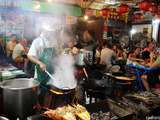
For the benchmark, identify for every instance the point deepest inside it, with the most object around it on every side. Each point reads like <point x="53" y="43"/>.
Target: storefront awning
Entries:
<point x="54" y="8"/>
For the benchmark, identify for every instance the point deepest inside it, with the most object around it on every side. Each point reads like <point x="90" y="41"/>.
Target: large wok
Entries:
<point x="19" y="97"/>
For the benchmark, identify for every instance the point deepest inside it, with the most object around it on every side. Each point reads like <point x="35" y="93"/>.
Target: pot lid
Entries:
<point x="21" y="83"/>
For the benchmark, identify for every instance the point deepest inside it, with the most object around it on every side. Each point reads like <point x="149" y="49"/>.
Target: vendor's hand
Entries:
<point x="42" y="66"/>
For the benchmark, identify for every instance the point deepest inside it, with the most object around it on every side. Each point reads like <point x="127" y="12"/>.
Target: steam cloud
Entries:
<point x="64" y="71"/>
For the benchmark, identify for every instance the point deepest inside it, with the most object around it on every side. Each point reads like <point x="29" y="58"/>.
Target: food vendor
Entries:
<point x="41" y="53"/>
<point x="45" y="52"/>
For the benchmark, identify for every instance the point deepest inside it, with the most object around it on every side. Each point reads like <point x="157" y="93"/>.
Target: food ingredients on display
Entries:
<point x="103" y="116"/>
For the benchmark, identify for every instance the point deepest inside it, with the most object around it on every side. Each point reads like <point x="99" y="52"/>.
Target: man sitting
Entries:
<point x="19" y="54"/>
<point x="152" y="79"/>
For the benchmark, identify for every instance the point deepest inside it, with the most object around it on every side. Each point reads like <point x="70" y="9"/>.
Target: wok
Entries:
<point x="19" y="97"/>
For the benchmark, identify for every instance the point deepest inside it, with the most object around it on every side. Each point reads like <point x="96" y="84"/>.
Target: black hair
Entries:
<point x="145" y="55"/>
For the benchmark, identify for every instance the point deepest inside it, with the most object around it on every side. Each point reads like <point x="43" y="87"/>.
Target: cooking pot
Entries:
<point x="19" y="97"/>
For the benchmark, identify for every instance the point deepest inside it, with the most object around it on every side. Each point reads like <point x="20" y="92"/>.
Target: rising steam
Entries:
<point x="64" y="72"/>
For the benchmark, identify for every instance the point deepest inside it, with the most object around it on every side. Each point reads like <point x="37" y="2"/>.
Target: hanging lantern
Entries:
<point x="105" y="12"/>
<point x="122" y="9"/>
<point x="144" y="5"/>
<point x="153" y="8"/>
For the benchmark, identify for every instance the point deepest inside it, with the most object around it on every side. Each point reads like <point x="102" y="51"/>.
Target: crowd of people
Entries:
<point x="14" y="51"/>
<point x="148" y="57"/>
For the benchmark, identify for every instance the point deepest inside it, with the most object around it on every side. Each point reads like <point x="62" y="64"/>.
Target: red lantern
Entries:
<point x="105" y="11"/>
<point x="123" y="8"/>
<point x="153" y="8"/>
<point x="144" y="5"/>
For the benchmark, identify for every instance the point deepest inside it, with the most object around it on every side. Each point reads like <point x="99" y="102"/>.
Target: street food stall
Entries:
<point x="86" y="59"/>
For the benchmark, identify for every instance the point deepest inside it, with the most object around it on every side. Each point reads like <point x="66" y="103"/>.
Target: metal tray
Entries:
<point x="109" y="105"/>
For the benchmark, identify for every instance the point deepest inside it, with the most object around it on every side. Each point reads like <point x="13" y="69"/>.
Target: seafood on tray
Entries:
<point x="74" y="112"/>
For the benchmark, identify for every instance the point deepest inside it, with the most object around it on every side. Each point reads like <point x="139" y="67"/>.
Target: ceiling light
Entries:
<point x="85" y="17"/>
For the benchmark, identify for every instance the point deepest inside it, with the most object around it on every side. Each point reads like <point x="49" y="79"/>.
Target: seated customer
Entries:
<point x="150" y="46"/>
<point x="19" y="53"/>
<point x="146" y="58"/>
<point x="121" y="55"/>
<point x="152" y="79"/>
<point x="10" y="45"/>
<point x="108" y="56"/>
<point x="133" y="55"/>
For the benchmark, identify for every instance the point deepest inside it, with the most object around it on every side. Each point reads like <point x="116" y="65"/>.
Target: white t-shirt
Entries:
<point x="39" y="44"/>
<point x="17" y="51"/>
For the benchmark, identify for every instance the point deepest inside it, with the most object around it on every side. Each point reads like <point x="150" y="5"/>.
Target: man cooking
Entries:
<point x="43" y="53"/>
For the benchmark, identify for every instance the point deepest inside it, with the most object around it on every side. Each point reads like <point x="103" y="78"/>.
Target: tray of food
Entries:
<point x="109" y="110"/>
<point x="148" y="97"/>
<point x="69" y="112"/>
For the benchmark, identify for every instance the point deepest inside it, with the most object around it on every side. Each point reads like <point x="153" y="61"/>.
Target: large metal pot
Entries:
<point x="19" y="97"/>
